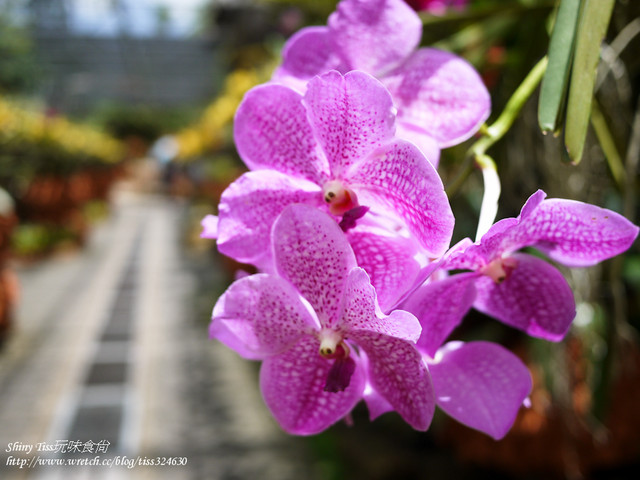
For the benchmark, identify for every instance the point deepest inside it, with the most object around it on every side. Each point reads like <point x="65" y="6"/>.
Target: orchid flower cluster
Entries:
<point x="346" y="219"/>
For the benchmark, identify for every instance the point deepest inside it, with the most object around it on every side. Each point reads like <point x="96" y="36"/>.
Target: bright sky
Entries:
<point x="97" y="16"/>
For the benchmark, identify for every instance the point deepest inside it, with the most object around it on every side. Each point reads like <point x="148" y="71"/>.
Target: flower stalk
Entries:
<point x="511" y="111"/>
<point x="476" y="155"/>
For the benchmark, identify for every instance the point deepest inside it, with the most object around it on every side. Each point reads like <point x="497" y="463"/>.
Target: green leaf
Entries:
<point x="554" y="83"/>
<point x="607" y="143"/>
<point x="592" y="28"/>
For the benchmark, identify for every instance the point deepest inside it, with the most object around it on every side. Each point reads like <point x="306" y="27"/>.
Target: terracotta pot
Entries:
<point x="8" y="299"/>
<point x="45" y="200"/>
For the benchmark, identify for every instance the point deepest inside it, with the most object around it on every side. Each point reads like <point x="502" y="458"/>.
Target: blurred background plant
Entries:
<point x="53" y="167"/>
<point x="50" y="164"/>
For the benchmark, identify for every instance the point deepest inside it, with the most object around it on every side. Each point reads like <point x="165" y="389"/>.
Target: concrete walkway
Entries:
<point x="110" y="357"/>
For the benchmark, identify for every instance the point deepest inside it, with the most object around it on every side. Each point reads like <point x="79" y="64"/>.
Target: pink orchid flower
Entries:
<point x="437" y="7"/>
<point x="334" y="149"/>
<point x="480" y="384"/>
<point x="312" y="322"/>
<point x="441" y="99"/>
<point x="519" y="289"/>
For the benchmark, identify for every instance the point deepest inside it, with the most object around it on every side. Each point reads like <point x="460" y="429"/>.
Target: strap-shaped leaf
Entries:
<point x="607" y="143"/>
<point x="592" y="27"/>
<point x="554" y="84"/>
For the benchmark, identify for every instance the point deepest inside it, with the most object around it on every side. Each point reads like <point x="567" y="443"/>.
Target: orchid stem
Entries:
<point x="494" y="132"/>
<point x="504" y="122"/>
<point x="491" y="135"/>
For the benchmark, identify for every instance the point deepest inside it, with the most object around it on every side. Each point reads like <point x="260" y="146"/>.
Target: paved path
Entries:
<point x="110" y="346"/>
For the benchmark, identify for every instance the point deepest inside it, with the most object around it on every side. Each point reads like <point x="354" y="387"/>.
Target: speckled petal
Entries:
<point x="209" y="227"/>
<point x="503" y="237"/>
<point x="531" y="204"/>
<point x="462" y="257"/>
<point x="250" y="205"/>
<point x="390" y="261"/>
<point x="375" y="35"/>
<point x="309" y="52"/>
<point x="376" y="403"/>
<point x="431" y="270"/>
<point x="221" y="333"/>
<point x="292" y="385"/>
<point x="313" y="253"/>
<point x="425" y="142"/>
<point x="361" y="311"/>
<point x="271" y="131"/>
<point x="440" y="306"/>
<point x="441" y="94"/>
<point x="351" y="115"/>
<point x="499" y="240"/>
<point x="265" y="312"/>
<point x="574" y="233"/>
<point x="398" y="178"/>
<point x="534" y="298"/>
<point x="397" y="372"/>
<point x="481" y="385"/>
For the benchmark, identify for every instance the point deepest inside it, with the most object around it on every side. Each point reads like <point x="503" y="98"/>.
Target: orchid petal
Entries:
<point x="425" y="273"/>
<point x="440" y="307"/>
<point x="493" y="244"/>
<point x="441" y="94"/>
<point x="534" y="298"/>
<point x="250" y="205"/>
<point x="361" y="311"/>
<point x="292" y="385"/>
<point x="500" y="238"/>
<point x="351" y="115"/>
<point x="397" y="177"/>
<point x="397" y="372"/>
<point x="573" y="233"/>
<point x="388" y="259"/>
<point x="375" y="36"/>
<point x="271" y="131"/>
<point x="531" y="204"/>
<point x="314" y="255"/>
<point x="309" y="52"/>
<point x="376" y="403"/>
<point x="462" y="256"/>
<point x="220" y="332"/>
<point x="576" y="234"/>
<point x="425" y="142"/>
<point x="481" y="385"/>
<point x="265" y="312"/>
<point x="209" y="227"/>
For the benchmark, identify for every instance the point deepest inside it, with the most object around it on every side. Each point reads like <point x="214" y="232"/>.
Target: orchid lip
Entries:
<point x="351" y="217"/>
<point x="333" y="347"/>
<point x="339" y="376"/>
